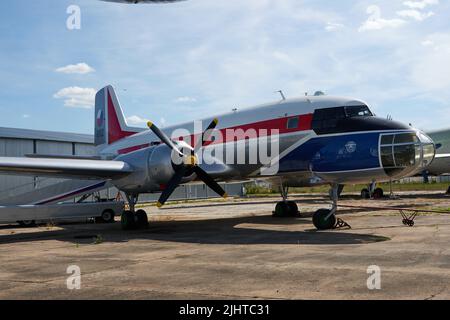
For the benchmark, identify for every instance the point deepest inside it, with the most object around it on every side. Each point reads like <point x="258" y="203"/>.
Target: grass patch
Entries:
<point x="98" y="239"/>
<point x="433" y="186"/>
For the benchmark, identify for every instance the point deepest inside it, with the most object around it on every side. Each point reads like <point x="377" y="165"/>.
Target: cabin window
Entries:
<point x="292" y="123"/>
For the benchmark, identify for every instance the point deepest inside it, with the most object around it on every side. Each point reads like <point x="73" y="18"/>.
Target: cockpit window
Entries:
<point x="358" y="111"/>
<point x="326" y="120"/>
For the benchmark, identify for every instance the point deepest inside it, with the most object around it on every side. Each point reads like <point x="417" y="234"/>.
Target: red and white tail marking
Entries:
<point x="110" y="123"/>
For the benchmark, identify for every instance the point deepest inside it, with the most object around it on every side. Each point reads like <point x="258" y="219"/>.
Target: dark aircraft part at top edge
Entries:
<point x="142" y="1"/>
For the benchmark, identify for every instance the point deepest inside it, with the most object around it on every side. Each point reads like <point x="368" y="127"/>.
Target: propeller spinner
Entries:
<point x="189" y="164"/>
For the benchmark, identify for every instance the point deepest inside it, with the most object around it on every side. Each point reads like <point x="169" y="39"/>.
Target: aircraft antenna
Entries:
<point x="281" y="93"/>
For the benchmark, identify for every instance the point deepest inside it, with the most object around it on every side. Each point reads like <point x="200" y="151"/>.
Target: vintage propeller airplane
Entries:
<point x="291" y="143"/>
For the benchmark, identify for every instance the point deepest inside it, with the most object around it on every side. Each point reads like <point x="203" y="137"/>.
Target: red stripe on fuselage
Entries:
<point x="115" y="132"/>
<point x="257" y="129"/>
<point x="131" y="149"/>
<point x="260" y="129"/>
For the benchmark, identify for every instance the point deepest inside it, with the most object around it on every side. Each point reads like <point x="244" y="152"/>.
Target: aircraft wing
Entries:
<point x="65" y="168"/>
<point x="440" y="164"/>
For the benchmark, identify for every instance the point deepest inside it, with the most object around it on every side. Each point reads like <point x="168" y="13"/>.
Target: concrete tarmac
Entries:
<point x="234" y="249"/>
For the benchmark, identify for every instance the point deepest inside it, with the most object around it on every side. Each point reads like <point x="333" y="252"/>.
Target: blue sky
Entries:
<point x="174" y="62"/>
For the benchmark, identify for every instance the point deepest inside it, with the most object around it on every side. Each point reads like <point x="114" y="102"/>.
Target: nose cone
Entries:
<point x="406" y="153"/>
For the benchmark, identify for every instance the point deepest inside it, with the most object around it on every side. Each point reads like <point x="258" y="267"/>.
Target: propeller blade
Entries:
<point x="206" y="135"/>
<point x="206" y="178"/>
<point x="171" y="186"/>
<point x="162" y="136"/>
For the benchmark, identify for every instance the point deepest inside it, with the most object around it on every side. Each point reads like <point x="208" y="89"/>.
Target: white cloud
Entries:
<point x="332" y="26"/>
<point x="381" y="23"/>
<point x="79" y="68"/>
<point x="432" y="71"/>
<point x="136" y="120"/>
<point x="420" y="4"/>
<point x="77" y="97"/>
<point x="26" y="116"/>
<point x="283" y="57"/>
<point x="185" y="99"/>
<point x="376" y="22"/>
<point x="415" y="14"/>
<point x="427" y="43"/>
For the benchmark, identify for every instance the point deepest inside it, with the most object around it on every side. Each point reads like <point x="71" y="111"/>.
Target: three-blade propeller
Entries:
<point x="189" y="164"/>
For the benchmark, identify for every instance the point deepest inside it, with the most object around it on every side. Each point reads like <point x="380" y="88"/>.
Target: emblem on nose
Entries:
<point x="350" y="146"/>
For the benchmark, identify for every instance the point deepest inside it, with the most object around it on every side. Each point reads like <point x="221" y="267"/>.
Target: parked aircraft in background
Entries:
<point x="309" y="140"/>
<point x="441" y="164"/>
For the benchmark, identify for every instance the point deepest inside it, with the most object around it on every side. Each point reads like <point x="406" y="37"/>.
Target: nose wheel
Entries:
<point x="324" y="219"/>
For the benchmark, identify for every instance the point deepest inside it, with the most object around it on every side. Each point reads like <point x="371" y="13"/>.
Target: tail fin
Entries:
<point x="110" y="124"/>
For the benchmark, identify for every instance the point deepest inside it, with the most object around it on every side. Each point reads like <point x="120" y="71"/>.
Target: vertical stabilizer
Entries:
<point x="110" y="123"/>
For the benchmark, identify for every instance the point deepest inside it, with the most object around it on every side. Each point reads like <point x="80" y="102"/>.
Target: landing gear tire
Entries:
<point x="322" y="219"/>
<point x="378" y="193"/>
<point x="293" y="209"/>
<point x="286" y="209"/>
<point x="141" y="219"/>
<point x="281" y="209"/>
<point x="128" y="220"/>
<point x="365" y="194"/>
<point x="27" y="223"/>
<point x="106" y="217"/>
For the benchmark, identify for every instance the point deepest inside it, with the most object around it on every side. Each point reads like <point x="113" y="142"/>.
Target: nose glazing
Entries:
<point x="405" y="153"/>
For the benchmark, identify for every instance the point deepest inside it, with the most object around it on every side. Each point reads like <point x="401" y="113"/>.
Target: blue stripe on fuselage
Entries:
<point x="346" y="152"/>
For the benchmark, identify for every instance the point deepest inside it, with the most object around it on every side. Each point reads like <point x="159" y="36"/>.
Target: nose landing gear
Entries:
<point x="325" y="219"/>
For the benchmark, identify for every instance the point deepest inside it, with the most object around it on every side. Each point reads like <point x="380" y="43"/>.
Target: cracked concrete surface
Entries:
<point x="235" y="249"/>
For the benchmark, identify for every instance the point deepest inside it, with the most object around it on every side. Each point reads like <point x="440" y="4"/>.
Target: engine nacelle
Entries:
<point x="153" y="168"/>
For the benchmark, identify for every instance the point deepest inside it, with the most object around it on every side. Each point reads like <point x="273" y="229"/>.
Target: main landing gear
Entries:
<point x="132" y="219"/>
<point x="372" y="192"/>
<point x="286" y="208"/>
<point x="325" y="219"/>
